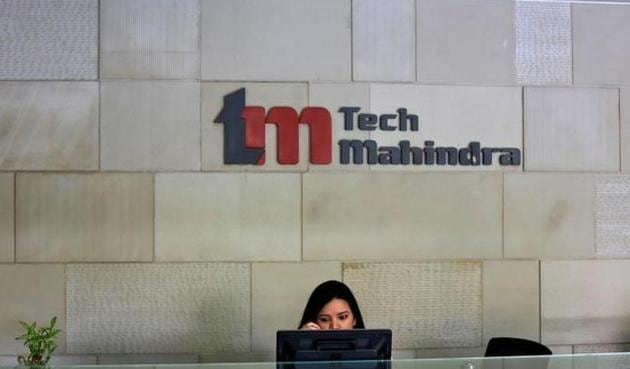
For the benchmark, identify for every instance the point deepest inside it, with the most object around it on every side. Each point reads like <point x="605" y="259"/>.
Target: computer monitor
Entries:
<point x="352" y="348"/>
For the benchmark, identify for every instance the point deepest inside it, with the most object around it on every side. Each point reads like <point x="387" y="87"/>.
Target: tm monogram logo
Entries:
<point x="244" y="131"/>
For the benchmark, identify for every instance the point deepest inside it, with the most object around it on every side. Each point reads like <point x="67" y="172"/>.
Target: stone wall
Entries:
<point x="119" y="215"/>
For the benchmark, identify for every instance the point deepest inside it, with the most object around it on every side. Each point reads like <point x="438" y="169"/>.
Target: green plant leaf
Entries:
<point x="24" y="325"/>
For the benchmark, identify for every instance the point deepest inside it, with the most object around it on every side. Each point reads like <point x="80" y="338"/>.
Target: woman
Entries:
<point x="331" y="306"/>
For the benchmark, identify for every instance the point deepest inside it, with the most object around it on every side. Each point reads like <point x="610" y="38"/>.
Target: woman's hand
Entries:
<point x="310" y="326"/>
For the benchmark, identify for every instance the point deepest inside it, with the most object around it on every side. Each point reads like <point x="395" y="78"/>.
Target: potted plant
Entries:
<point x="40" y="342"/>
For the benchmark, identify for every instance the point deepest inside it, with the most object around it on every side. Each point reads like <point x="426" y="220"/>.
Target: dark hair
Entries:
<point x="323" y="294"/>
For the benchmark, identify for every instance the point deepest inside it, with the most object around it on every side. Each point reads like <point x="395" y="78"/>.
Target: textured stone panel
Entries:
<point x="67" y="360"/>
<point x="164" y="308"/>
<point x="612" y="215"/>
<point x="49" y="125"/>
<point x="383" y="40"/>
<point x="84" y="217"/>
<point x="511" y="299"/>
<point x="278" y="40"/>
<point x="600" y="52"/>
<point x="624" y="100"/>
<point x="427" y="305"/>
<point x="597" y="348"/>
<point x="228" y="217"/>
<point x="571" y="129"/>
<point x="150" y="39"/>
<point x="150" y="125"/>
<point x="266" y="95"/>
<point x="7" y="230"/>
<point x="142" y="359"/>
<point x="464" y="41"/>
<point x="48" y="39"/>
<point x="585" y="301"/>
<point x="450" y="353"/>
<point x="397" y="216"/>
<point x="549" y="216"/>
<point x="297" y="281"/>
<point x="333" y="96"/>
<point x="30" y="293"/>
<point x="451" y="116"/>
<point x="561" y="349"/>
<point x="543" y="43"/>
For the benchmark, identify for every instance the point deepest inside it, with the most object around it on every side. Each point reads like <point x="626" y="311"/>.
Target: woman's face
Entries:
<point x="336" y="315"/>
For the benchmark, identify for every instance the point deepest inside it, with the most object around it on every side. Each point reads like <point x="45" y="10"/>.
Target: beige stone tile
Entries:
<point x="143" y="359"/>
<point x="543" y="43"/>
<point x="227" y="216"/>
<point x="150" y="39"/>
<point x="585" y="301"/>
<point x="383" y="40"/>
<point x="600" y="52"/>
<point x="84" y="217"/>
<point x="549" y="216"/>
<point x="159" y="308"/>
<point x="52" y="39"/>
<point x="49" y="125"/>
<point x="612" y="216"/>
<point x="451" y="116"/>
<point x="561" y="349"/>
<point x="30" y="293"/>
<point x="418" y="300"/>
<point x="445" y="353"/>
<point x="463" y="41"/>
<point x="150" y="125"/>
<point x="511" y="300"/>
<point x="279" y="40"/>
<point x="7" y="230"/>
<point x="333" y="96"/>
<point x="266" y="95"/>
<point x="624" y="99"/>
<point x="239" y="357"/>
<point x="297" y="281"/>
<point x="571" y="129"/>
<point x="67" y="360"/>
<point x="601" y="347"/>
<point x="386" y="216"/>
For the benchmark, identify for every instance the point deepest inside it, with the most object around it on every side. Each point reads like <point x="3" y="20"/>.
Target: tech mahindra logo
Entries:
<point x="244" y="132"/>
<point x="244" y="138"/>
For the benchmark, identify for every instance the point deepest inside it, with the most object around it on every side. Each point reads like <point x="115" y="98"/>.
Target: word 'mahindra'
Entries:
<point x="368" y="151"/>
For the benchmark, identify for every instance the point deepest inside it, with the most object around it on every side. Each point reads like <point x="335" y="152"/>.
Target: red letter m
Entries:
<point x="286" y="120"/>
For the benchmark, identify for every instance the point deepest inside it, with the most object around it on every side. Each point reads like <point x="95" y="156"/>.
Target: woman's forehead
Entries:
<point x="335" y="306"/>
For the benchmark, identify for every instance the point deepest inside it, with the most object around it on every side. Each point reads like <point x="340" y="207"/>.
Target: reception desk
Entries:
<point x="577" y="361"/>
